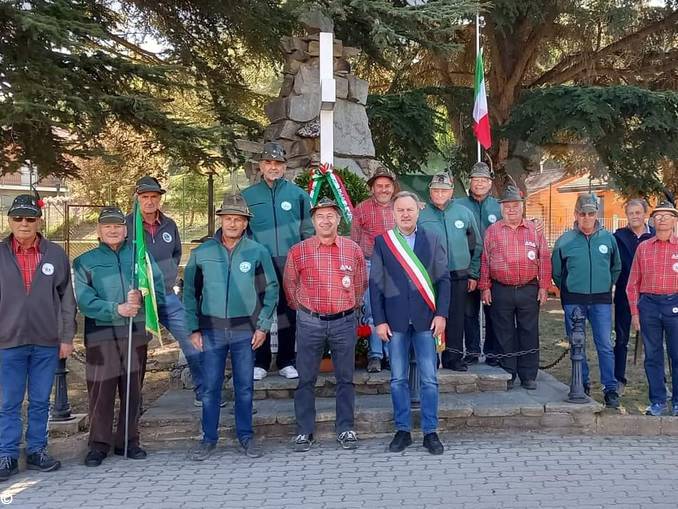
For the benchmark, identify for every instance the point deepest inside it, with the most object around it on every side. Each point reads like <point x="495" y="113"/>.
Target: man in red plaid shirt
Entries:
<point x="515" y="273"/>
<point x="653" y="298"/>
<point x="324" y="280"/>
<point x="372" y="218"/>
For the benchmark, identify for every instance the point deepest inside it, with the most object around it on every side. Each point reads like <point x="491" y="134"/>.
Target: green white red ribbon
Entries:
<point x="325" y="173"/>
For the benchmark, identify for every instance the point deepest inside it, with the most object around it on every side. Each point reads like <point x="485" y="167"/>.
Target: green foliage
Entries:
<point x="404" y="128"/>
<point x="61" y="83"/>
<point x="627" y="130"/>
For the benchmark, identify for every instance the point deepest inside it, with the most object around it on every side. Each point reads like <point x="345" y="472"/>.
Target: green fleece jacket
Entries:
<point x="102" y="280"/>
<point x="585" y="268"/>
<point x="486" y="212"/>
<point x="458" y="227"/>
<point x="236" y="290"/>
<point x="281" y="215"/>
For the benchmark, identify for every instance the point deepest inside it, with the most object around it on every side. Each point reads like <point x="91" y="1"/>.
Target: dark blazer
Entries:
<point x="628" y="243"/>
<point x="394" y="298"/>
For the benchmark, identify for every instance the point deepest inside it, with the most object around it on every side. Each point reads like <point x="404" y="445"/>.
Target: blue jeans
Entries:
<point x="659" y="318"/>
<point x="216" y="344"/>
<point x="173" y="318"/>
<point x="600" y="318"/>
<point x="34" y="366"/>
<point x="377" y="348"/>
<point x="427" y="361"/>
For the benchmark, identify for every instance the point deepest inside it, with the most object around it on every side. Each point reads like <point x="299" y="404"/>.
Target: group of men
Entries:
<point x="422" y="271"/>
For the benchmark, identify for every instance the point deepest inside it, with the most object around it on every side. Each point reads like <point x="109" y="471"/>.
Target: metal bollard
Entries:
<point x="414" y="381"/>
<point x="61" y="410"/>
<point x="577" y="341"/>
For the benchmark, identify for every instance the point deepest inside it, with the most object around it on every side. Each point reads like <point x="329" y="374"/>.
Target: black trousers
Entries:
<point x="515" y="317"/>
<point x="287" y="323"/>
<point x="454" y="330"/>
<point x="106" y="372"/>
<point x="622" y="330"/>
<point x="472" y="326"/>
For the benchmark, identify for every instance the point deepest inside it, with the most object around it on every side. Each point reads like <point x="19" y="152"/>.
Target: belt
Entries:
<point x="533" y="282"/>
<point x="327" y="318"/>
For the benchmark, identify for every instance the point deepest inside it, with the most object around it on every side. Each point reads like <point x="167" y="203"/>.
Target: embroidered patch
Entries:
<point x="47" y="269"/>
<point x="530" y="243"/>
<point x="167" y="237"/>
<point x="492" y="218"/>
<point x="346" y="267"/>
<point x="286" y="205"/>
<point x="459" y="224"/>
<point x="531" y="255"/>
<point x="245" y="266"/>
<point x="603" y="249"/>
<point x="675" y="310"/>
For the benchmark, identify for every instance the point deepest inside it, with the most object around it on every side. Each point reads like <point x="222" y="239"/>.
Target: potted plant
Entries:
<point x="362" y="346"/>
<point x="326" y="365"/>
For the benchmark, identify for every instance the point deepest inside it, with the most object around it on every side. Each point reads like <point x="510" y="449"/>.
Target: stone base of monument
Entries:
<point x="173" y="419"/>
<point x="78" y="422"/>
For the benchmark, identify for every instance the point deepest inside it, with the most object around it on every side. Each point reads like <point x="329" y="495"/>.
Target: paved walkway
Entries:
<point x="529" y="470"/>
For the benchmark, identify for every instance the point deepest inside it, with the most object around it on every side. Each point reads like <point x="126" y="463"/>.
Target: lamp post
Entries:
<point x="414" y="381"/>
<point x="210" y="204"/>
<point x="61" y="409"/>
<point x="577" y="341"/>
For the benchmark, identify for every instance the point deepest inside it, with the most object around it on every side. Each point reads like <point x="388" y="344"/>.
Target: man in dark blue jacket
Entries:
<point x="410" y="296"/>
<point x="628" y="238"/>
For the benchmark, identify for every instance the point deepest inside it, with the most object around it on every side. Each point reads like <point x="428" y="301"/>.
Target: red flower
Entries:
<point x="41" y="203"/>
<point x="363" y="330"/>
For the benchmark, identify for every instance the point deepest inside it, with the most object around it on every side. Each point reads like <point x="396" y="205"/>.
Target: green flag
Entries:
<point x="144" y="274"/>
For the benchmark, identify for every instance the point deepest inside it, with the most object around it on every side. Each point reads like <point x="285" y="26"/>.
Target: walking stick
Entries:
<point x="129" y="332"/>
<point x="637" y="349"/>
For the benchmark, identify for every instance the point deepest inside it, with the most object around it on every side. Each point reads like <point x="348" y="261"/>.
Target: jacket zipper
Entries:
<point x="275" y="218"/>
<point x="588" y="241"/>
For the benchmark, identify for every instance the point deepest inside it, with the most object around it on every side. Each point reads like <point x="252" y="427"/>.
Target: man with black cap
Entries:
<point x="371" y="218"/>
<point x="230" y="294"/>
<point x="515" y="275"/>
<point x="281" y="218"/>
<point x="38" y="324"/>
<point x="586" y="265"/>
<point x="325" y="280"/>
<point x="164" y="245"/>
<point x="486" y="210"/>
<point x="105" y="295"/>
<point x="653" y="297"/>
<point x="456" y="225"/>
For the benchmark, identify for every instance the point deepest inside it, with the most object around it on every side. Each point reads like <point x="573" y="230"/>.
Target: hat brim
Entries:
<point x="449" y="187"/>
<point x="112" y="220"/>
<point x="335" y="207"/>
<point x="481" y="175"/>
<point x="149" y="189"/>
<point x="270" y="158"/>
<point x="232" y="212"/>
<point x="373" y="178"/>
<point x="665" y="209"/>
<point x="587" y="208"/>
<point x="24" y="212"/>
<point x="509" y="200"/>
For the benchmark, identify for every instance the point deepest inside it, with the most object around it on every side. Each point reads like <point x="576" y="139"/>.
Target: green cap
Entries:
<point x="25" y="205"/>
<point x="481" y="170"/>
<point x="382" y="171"/>
<point x="325" y="203"/>
<point x="148" y="184"/>
<point x="273" y="151"/>
<point x="586" y="202"/>
<point x="511" y="193"/>
<point x="111" y="215"/>
<point x="441" y="181"/>
<point x="233" y="204"/>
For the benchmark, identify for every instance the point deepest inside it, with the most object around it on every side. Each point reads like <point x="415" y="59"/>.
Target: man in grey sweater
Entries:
<point x="38" y="325"/>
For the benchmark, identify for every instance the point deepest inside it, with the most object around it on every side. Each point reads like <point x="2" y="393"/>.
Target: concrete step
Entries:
<point x="479" y="378"/>
<point x="174" y="418"/>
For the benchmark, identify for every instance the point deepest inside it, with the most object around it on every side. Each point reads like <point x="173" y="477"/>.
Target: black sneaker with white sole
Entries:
<point x="42" y="461"/>
<point x="348" y="439"/>
<point x="8" y="467"/>
<point x="303" y="443"/>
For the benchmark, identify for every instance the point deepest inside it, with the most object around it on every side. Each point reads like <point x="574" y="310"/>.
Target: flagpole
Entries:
<point x="131" y="320"/>
<point x="478" y="53"/>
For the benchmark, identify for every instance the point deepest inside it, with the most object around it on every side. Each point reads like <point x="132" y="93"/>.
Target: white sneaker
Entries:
<point x="289" y="372"/>
<point x="260" y="373"/>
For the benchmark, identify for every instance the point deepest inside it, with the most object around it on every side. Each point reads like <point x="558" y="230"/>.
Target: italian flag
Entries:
<point x="144" y="273"/>
<point x="481" y="119"/>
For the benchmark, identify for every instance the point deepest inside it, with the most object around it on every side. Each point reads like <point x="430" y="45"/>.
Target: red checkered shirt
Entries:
<point x="654" y="270"/>
<point x="370" y="219"/>
<point x="152" y="228"/>
<point x="514" y="257"/>
<point x="28" y="260"/>
<point x="323" y="278"/>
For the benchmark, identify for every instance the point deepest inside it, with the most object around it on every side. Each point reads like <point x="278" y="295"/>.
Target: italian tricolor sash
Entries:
<point x="410" y="262"/>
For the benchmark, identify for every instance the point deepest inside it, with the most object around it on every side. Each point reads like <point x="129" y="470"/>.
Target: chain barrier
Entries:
<point x="499" y="356"/>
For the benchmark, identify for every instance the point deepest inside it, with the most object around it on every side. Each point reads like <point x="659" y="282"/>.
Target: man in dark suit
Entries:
<point x="410" y="295"/>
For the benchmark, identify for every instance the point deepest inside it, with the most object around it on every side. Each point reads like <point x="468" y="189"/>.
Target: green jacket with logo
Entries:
<point x="102" y="280"/>
<point x="281" y="215"/>
<point x="586" y="267"/>
<point x="458" y="227"/>
<point x="486" y="212"/>
<point x="236" y="290"/>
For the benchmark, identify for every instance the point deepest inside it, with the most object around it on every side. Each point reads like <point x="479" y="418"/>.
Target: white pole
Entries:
<point x="328" y="97"/>
<point x="478" y="53"/>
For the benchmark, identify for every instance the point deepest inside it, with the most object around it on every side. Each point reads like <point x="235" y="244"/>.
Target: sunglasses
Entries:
<point x="587" y="214"/>
<point x="27" y="219"/>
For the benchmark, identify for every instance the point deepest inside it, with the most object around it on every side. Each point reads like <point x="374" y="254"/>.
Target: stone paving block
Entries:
<point x="556" y="420"/>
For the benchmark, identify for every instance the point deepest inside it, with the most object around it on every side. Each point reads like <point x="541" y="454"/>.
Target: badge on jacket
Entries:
<point x="675" y="267"/>
<point x="245" y="266"/>
<point x="531" y="255"/>
<point x="603" y="249"/>
<point x="346" y="281"/>
<point x="459" y="224"/>
<point x="47" y="269"/>
<point x="286" y="205"/>
<point x="167" y="237"/>
<point x="492" y="218"/>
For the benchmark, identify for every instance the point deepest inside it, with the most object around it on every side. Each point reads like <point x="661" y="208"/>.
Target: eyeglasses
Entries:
<point x="662" y="217"/>
<point x="587" y="214"/>
<point x="27" y="219"/>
